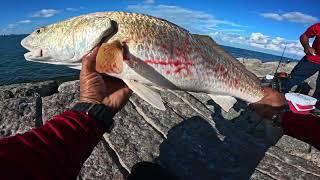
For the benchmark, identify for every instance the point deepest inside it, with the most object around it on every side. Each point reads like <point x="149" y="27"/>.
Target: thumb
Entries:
<point x="89" y="61"/>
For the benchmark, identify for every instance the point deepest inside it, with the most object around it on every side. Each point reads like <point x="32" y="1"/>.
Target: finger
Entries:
<point x="127" y="91"/>
<point x="118" y="98"/>
<point x="124" y="94"/>
<point x="109" y="78"/>
<point x="89" y="61"/>
<point x="115" y="82"/>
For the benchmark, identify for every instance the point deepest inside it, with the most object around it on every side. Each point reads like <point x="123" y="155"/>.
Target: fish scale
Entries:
<point x="163" y="54"/>
<point x="177" y="45"/>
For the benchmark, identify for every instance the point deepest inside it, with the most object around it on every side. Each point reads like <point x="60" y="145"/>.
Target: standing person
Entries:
<point x="310" y="63"/>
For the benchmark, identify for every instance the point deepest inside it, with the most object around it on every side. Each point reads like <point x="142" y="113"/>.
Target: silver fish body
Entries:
<point x="160" y="53"/>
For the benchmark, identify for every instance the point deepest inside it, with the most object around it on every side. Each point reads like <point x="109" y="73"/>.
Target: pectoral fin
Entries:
<point x="110" y="58"/>
<point x="225" y="102"/>
<point x="146" y="94"/>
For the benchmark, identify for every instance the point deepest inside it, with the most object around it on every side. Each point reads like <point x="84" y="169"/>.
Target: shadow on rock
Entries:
<point x="194" y="151"/>
<point x="238" y="106"/>
<point x="198" y="148"/>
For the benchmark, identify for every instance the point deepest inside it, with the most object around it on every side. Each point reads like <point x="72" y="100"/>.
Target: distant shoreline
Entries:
<point x="59" y="80"/>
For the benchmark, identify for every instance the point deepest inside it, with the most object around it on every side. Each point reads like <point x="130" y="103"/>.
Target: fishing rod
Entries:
<point x="275" y="81"/>
<point x="284" y="49"/>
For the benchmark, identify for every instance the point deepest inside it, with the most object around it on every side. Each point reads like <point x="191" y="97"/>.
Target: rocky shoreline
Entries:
<point x="193" y="137"/>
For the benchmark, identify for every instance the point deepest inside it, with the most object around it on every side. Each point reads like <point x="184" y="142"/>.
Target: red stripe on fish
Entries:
<point x="178" y="65"/>
<point x="168" y="62"/>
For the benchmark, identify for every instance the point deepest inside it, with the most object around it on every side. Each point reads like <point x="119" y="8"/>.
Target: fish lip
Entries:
<point x="24" y="44"/>
<point x="35" y="54"/>
<point x="28" y="55"/>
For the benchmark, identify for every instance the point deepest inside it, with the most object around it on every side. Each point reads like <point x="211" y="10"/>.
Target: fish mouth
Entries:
<point x="24" y="43"/>
<point x="34" y="55"/>
<point x="39" y="56"/>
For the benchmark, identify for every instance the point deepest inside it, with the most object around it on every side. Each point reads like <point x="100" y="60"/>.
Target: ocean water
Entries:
<point x="264" y="57"/>
<point x="15" y="69"/>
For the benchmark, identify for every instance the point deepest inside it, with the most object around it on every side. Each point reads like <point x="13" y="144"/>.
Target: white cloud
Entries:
<point x="258" y="38"/>
<point x="272" y="16"/>
<point x="223" y="31"/>
<point x="232" y="30"/>
<point x="261" y="42"/>
<point x="148" y="1"/>
<point x="195" y="21"/>
<point x="295" y="48"/>
<point x="257" y="45"/>
<point x="277" y="40"/>
<point x="17" y="28"/>
<point x="45" y="13"/>
<point x="24" y="21"/>
<point x="297" y="17"/>
<point x="12" y="26"/>
<point x="241" y="38"/>
<point x="273" y="47"/>
<point x="71" y="9"/>
<point x="229" y="37"/>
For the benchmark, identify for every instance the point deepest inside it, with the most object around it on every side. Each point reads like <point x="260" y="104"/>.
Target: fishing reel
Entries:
<point x="274" y="81"/>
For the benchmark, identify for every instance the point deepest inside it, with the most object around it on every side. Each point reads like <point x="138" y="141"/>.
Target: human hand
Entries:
<point x="95" y="88"/>
<point x="309" y="51"/>
<point x="272" y="103"/>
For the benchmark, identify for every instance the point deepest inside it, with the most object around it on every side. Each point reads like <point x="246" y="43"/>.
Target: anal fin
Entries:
<point x="146" y="94"/>
<point x="225" y="102"/>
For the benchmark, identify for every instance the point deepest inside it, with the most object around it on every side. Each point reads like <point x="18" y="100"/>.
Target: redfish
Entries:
<point x="146" y="51"/>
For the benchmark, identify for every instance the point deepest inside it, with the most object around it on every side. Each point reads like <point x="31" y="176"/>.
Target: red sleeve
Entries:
<point x="303" y="127"/>
<point x="313" y="30"/>
<point x="56" y="150"/>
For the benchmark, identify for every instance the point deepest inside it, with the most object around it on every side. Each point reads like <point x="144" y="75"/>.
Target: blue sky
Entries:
<point x="266" y="26"/>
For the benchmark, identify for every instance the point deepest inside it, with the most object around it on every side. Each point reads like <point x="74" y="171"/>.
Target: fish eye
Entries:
<point x="40" y="30"/>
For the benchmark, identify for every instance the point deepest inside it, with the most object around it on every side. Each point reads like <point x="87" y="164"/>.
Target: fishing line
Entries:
<point x="284" y="49"/>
